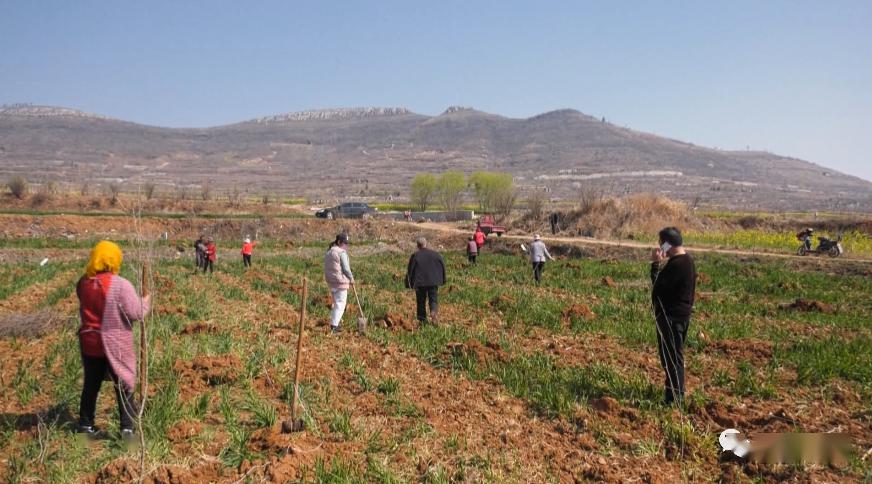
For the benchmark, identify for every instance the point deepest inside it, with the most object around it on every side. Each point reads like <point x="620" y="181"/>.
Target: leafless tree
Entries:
<point x="17" y="186"/>
<point x="148" y="190"/>
<point x="588" y="197"/>
<point x="50" y="188"/>
<point x="113" y="189"/>
<point x="234" y="196"/>
<point x="39" y="198"/>
<point x="536" y="204"/>
<point x="504" y="202"/>
<point x="206" y="191"/>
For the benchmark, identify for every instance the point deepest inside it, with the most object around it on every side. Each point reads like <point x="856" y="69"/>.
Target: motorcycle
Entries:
<point x="830" y="247"/>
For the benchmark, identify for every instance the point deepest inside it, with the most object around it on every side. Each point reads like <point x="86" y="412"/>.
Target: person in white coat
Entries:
<point x="538" y="255"/>
<point x="337" y="274"/>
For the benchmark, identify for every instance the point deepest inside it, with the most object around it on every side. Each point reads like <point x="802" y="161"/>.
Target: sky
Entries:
<point x="790" y="77"/>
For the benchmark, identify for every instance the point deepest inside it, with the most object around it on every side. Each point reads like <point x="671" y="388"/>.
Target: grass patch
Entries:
<point x="818" y="361"/>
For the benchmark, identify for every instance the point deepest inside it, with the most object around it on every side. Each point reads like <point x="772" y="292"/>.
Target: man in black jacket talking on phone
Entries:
<point x="673" y="275"/>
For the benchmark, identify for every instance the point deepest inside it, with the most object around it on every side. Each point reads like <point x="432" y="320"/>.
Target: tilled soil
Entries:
<point x="521" y="444"/>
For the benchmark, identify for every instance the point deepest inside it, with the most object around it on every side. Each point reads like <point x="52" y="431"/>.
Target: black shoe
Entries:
<point x="88" y="430"/>
<point x="128" y="435"/>
<point x="335" y="329"/>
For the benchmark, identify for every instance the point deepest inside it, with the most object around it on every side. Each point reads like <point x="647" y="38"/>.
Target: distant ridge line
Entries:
<point x="37" y="111"/>
<point x="333" y="114"/>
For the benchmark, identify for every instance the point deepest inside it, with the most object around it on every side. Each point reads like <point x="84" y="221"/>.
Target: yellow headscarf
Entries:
<point x="105" y="257"/>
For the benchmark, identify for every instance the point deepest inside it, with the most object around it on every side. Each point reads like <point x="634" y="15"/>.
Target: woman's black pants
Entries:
<point x="96" y="370"/>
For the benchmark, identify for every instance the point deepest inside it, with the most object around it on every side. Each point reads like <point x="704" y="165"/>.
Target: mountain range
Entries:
<point x="373" y="153"/>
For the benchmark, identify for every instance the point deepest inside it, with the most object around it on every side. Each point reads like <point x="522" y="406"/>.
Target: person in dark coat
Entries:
<point x="673" y="278"/>
<point x="554" y="219"/>
<point x="200" y="251"/>
<point x="471" y="250"/>
<point x="426" y="272"/>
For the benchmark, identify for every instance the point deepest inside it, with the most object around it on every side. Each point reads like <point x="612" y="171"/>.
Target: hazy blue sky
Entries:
<point x="793" y="77"/>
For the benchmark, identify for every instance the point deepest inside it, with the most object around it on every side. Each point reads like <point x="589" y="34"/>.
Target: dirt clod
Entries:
<point x="753" y="350"/>
<point x="199" y="327"/>
<point x="502" y="302"/>
<point x="184" y="430"/>
<point x="484" y="353"/>
<point x="126" y="470"/>
<point x="605" y="405"/>
<point x="397" y="322"/>
<point x="271" y="440"/>
<point x="213" y="370"/>
<point x="609" y="282"/>
<point x="578" y="311"/>
<point x="722" y="416"/>
<point x="811" y="305"/>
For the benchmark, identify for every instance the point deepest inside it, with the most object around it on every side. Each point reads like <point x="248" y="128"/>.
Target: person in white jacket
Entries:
<point x="337" y="274"/>
<point x="538" y="255"/>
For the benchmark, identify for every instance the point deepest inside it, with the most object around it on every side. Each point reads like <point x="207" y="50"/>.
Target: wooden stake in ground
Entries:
<point x="296" y="424"/>
<point x="143" y="346"/>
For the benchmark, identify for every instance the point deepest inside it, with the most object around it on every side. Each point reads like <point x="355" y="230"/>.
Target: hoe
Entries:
<point x="361" y="320"/>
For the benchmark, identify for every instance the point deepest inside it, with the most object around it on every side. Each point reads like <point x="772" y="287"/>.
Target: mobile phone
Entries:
<point x="665" y="247"/>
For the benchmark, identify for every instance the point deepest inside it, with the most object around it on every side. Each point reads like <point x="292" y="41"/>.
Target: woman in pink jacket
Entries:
<point x="337" y="274"/>
<point x="109" y="305"/>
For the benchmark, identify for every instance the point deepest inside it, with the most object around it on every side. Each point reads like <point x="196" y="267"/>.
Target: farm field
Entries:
<point x="517" y="383"/>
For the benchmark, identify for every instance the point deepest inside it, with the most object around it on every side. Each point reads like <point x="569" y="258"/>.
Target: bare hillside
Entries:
<point x="374" y="152"/>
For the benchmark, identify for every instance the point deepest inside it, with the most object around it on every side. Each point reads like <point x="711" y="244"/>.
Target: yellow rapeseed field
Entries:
<point x="855" y="243"/>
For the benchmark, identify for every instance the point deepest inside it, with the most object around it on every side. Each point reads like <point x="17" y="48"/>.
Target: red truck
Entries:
<point x="487" y="225"/>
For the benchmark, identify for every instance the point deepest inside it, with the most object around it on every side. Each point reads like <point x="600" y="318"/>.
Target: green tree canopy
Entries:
<point x="451" y="187"/>
<point x="424" y="190"/>
<point x="494" y="191"/>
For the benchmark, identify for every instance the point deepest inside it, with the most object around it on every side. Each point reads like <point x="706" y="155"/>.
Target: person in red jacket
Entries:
<point x="247" y="247"/>
<point x="479" y="237"/>
<point x="211" y="255"/>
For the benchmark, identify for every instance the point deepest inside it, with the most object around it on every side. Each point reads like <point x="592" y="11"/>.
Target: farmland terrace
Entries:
<point x="517" y="383"/>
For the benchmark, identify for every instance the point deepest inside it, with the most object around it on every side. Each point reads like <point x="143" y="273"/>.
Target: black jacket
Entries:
<point x="426" y="268"/>
<point x="674" y="288"/>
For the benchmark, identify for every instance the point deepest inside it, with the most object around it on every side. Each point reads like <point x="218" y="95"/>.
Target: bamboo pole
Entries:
<point x="299" y="349"/>
<point x="143" y="346"/>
